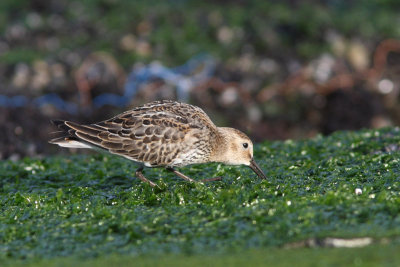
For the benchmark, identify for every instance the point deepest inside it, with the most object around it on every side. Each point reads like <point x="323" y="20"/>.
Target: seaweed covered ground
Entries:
<point x="90" y="208"/>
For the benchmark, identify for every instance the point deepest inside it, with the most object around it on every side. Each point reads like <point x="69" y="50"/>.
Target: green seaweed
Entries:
<point x="91" y="205"/>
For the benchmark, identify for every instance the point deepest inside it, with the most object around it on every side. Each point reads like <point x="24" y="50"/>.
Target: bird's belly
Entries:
<point x="188" y="158"/>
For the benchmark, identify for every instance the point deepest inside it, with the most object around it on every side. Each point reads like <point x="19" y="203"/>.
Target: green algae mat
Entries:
<point x="90" y="208"/>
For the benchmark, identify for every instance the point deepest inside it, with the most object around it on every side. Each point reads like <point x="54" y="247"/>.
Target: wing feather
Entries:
<point x="87" y="129"/>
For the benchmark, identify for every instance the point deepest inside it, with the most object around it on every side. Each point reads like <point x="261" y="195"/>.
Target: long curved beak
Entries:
<point x="253" y="165"/>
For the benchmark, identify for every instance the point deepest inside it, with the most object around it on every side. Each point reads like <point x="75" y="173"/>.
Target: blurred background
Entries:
<point x="274" y="69"/>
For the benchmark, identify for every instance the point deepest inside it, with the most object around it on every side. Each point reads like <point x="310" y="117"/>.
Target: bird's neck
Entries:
<point x="220" y="146"/>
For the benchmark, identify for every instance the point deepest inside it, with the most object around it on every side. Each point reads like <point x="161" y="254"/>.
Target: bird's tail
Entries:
<point x="74" y="135"/>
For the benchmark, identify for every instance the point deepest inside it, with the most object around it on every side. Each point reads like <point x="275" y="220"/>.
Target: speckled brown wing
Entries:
<point x="156" y="134"/>
<point x="194" y="116"/>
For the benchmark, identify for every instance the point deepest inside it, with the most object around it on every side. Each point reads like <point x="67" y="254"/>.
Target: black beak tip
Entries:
<point x="253" y="165"/>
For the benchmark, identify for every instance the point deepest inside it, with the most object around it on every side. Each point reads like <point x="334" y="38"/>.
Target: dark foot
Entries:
<point x="219" y="178"/>
<point x="139" y="174"/>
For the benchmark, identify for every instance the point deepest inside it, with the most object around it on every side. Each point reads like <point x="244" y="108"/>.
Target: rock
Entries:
<point x="225" y="35"/>
<point x="322" y="68"/>
<point x="34" y="20"/>
<point x="143" y="48"/>
<point x="41" y="77"/>
<point x="358" y="55"/>
<point x="229" y="96"/>
<point x="128" y="42"/>
<point x="337" y="42"/>
<point x="22" y="76"/>
<point x="16" y="32"/>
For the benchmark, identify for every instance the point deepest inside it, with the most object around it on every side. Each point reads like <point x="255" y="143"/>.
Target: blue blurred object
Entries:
<point x="13" y="101"/>
<point x="184" y="77"/>
<point x="57" y="101"/>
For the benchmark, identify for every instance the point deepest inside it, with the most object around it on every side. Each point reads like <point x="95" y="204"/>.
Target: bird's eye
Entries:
<point x="245" y="145"/>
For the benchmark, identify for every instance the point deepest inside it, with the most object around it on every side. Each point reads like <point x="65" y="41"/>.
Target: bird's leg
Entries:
<point x="140" y="175"/>
<point x="181" y="175"/>
<point x="190" y="179"/>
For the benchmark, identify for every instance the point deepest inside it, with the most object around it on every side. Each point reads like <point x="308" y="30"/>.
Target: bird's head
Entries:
<point x="238" y="150"/>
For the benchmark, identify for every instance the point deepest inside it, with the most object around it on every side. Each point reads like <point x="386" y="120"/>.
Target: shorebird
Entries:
<point x="165" y="134"/>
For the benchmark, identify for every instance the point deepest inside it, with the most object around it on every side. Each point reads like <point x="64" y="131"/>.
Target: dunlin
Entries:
<point x="165" y="134"/>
